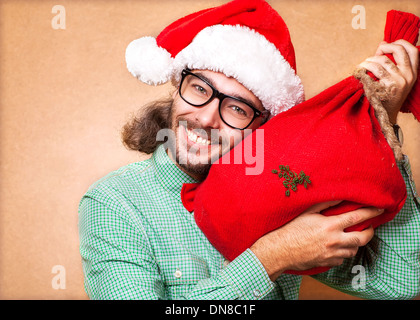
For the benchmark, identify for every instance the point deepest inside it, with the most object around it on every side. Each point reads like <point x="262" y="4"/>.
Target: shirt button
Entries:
<point x="256" y="293"/>
<point x="226" y="263"/>
<point x="178" y="273"/>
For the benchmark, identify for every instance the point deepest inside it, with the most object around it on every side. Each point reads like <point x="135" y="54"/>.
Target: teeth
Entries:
<point x="200" y="140"/>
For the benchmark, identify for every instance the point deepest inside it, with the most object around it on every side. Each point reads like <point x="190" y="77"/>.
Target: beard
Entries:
<point x="197" y="159"/>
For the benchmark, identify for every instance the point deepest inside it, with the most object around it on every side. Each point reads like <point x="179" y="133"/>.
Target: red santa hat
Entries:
<point x="244" y="39"/>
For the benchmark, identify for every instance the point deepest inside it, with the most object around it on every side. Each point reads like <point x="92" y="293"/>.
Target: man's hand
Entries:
<point x="313" y="240"/>
<point x="399" y="77"/>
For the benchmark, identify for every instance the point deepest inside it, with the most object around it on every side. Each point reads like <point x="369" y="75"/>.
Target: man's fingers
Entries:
<point x="412" y="51"/>
<point x="355" y="239"/>
<point x="385" y="63"/>
<point x="378" y="50"/>
<point x="317" y="208"/>
<point x="355" y="217"/>
<point x="376" y="68"/>
<point x="404" y="53"/>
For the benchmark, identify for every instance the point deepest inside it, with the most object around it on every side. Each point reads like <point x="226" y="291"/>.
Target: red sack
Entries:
<point x="330" y="147"/>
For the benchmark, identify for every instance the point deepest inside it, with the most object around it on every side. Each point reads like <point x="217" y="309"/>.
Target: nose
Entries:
<point x="208" y="115"/>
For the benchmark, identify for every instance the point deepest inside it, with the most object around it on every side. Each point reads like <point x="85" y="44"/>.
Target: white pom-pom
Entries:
<point x="148" y="62"/>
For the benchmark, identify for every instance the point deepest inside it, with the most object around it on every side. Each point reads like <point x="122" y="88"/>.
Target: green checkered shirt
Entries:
<point x="137" y="241"/>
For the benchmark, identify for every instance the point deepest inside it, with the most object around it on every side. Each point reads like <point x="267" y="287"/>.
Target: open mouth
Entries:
<point x="202" y="141"/>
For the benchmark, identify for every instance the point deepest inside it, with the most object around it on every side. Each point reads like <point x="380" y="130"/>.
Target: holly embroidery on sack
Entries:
<point x="291" y="178"/>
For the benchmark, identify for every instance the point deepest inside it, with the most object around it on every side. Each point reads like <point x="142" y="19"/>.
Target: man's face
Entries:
<point x="201" y="135"/>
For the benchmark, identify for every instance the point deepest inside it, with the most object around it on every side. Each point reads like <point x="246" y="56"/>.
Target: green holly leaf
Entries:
<point x="291" y="178"/>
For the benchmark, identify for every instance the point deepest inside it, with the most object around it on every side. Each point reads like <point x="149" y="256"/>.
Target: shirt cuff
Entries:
<point x="248" y="276"/>
<point x="405" y="169"/>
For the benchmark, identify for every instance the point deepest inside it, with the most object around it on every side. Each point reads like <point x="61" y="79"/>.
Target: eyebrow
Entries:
<point x="234" y="95"/>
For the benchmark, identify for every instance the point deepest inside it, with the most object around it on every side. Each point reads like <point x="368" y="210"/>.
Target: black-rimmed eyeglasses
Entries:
<point x="233" y="111"/>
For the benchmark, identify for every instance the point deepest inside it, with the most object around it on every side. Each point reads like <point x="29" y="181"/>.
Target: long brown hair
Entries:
<point x="140" y="132"/>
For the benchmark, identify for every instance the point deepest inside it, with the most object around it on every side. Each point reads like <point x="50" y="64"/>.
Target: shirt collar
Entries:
<point x="170" y="176"/>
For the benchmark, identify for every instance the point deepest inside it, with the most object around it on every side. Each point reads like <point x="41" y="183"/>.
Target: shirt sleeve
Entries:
<point x="118" y="262"/>
<point x="389" y="266"/>
<point x="243" y="279"/>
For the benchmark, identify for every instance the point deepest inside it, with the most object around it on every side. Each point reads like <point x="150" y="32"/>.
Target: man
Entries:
<point x="137" y="239"/>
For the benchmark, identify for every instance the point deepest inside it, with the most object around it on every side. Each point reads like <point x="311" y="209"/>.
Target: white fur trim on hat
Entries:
<point x="148" y="62"/>
<point x="247" y="56"/>
<point x="237" y="51"/>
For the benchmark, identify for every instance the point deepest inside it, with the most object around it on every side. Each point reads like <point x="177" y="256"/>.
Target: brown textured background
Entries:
<point x="65" y="94"/>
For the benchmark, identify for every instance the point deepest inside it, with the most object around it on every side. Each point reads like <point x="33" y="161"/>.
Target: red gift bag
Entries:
<point x="330" y="147"/>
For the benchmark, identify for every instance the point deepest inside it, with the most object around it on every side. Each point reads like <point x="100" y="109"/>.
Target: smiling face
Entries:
<point x="201" y="135"/>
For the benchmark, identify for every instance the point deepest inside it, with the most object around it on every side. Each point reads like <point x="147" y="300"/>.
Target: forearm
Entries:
<point x="390" y="263"/>
<point x="243" y="279"/>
